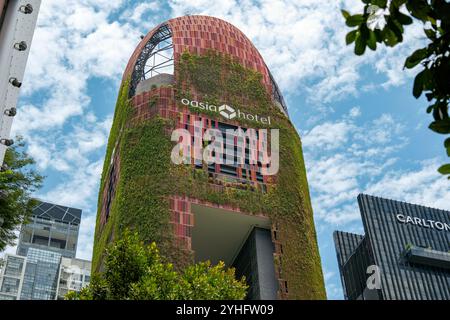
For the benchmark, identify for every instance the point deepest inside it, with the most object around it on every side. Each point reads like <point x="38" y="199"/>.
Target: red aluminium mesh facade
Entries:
<point x="166" y="107"/>
<point x="198" y="34"/>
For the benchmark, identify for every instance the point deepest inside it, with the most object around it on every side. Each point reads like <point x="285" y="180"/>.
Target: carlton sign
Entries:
<point x="227" y="111"/>
<point x="424" y="223"/>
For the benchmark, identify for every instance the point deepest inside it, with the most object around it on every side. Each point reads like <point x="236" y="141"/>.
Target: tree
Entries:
<point x="18" y="181"/>
<point x="383" y="21"/>
<point x="135" y="271"/>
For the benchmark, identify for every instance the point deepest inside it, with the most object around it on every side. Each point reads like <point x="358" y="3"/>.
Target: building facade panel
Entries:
<point x="44" y="267"/>
<point x="197" y="34"/>
<point x="41" y="275"/>
<point x="74" y="275"/>
<point x="11" y="277"/>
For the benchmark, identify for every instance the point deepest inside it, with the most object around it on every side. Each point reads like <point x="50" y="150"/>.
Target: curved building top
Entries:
<point x="198" y="34"/>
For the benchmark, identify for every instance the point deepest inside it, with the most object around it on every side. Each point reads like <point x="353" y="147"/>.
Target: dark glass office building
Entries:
<point x="407" y="245"/>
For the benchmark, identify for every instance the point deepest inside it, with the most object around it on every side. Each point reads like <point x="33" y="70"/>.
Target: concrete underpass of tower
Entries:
<point x="241" y="241"/>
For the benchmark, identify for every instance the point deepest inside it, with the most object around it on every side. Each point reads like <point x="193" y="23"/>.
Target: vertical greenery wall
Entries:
<point x="147" y="176"/>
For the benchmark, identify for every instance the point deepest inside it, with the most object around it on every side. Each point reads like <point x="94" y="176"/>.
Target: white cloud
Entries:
<point x="423" y="186"/>
<point x="145" y="15"/>
<point x="303" y="44"/>
<point x="74" y="41"/>
<point x="334" y="292"/>
<point x="86" y="235"/>
<point x="355" y="112"/>
<point x="136" y="14"/>
<point x="80" y="188"/>
<point x="80" y="191"/>
<point x="84" y="19"/>
<point x="329" y="274"/>
<point x="328" y="135"/>
<point x="105" y="51"/>
<point x="69" y="150"/>
<point x="344" y="159"/>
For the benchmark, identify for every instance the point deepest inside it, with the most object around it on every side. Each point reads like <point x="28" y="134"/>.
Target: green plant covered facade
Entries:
<point x="147" y="177"/>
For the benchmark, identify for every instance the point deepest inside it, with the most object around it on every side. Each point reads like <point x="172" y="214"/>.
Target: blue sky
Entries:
<point x="362" y="130"/>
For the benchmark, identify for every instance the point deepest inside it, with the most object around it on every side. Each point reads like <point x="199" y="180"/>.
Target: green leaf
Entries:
<point x="422" y="82"/>
<point x="442" y="10"/>
<point x="447" y="143"/>
<point x="419" y="9"/>
<point x="431" y="34"/>
<point x="445" y="169"/>
<point x="419" y="83"/>
<point x="378" y="35"/>
<point x="379" y="3"/>
<point x="440" y="111"/>
<point x="403" y="19"/>
<point x="372" y="41"/>
<point x="417" y="56"/>
<point x="441" y="126"/>
<point x="355" y="20"/>
<point x="360" y="45"/>
<point x="432" y="21"/>
<point x="397" y="28"/>
<point x="345" y="14"/>
<point x="447" y="146"/>
<point x="397" y="3"/>
<point x="389" y="37"/>
<point x="350" y="37"/>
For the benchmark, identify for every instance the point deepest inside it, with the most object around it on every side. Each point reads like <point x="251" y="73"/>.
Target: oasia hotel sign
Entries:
<point x="227" y="111"/>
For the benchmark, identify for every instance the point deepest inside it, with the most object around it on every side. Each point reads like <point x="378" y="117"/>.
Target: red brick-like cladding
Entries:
<point x="198" y="34"/>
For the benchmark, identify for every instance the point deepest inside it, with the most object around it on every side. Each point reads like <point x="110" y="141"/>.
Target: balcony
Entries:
<point x="427" y="257"/>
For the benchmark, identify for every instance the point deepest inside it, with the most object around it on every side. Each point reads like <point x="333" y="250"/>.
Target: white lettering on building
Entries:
<point x="227" y="111"/>
<point x="424" y="223"/>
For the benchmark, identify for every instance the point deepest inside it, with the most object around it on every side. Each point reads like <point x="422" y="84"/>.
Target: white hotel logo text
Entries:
<point x="227" y="111"/>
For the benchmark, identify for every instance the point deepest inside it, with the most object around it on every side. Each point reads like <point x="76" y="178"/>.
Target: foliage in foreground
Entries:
<point x="17" y="183"/>
<point x="135" y="271"/>
<point x="383" y="21"/>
